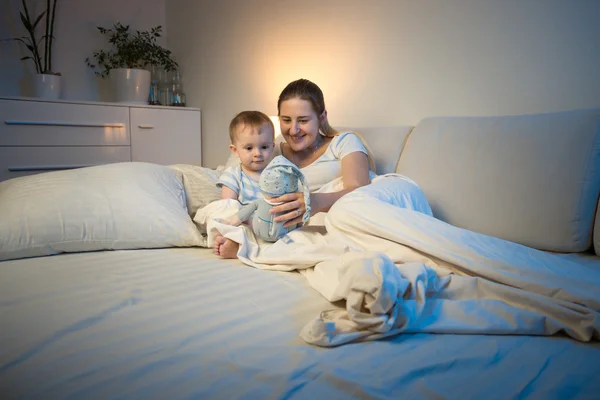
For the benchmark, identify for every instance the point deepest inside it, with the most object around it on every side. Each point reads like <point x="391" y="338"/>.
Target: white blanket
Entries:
<point x="401" y="270"/>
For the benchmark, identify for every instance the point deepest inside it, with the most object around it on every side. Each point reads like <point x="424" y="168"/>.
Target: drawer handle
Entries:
<point x="56" y="123"/>
<point x="47" y="168"/>
<point x="145" y="126"/>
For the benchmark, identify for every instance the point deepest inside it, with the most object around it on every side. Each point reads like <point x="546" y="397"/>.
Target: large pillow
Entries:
<point x="385" y="142"/>
<point x="109" y="207"/>
<point x="531" y="179"/>
<point x="200" y="185"/>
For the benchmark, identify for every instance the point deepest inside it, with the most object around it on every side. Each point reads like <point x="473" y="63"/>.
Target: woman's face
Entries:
<point x="299" y="123"/>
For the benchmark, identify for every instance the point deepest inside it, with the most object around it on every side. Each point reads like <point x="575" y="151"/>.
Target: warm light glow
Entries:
<point x="114" y="134"/>
<point x="275" y="120"/>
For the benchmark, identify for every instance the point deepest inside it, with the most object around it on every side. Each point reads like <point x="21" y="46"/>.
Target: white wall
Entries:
<point x="385" y="62"/>
<point x="76" y="38"/>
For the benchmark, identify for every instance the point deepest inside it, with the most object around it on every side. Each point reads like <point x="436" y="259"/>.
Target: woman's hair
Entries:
<point x="304" y="89"/>
<point x="250" y="118"/>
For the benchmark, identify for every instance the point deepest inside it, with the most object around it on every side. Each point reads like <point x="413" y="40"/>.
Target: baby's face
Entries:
<point x="254" y="146"/>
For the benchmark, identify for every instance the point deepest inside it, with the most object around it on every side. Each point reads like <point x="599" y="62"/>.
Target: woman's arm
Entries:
<point x="355" y="173"/>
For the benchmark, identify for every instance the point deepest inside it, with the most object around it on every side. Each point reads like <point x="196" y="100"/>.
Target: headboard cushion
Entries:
<point x="530" y="179"/>
<point x="384" y="142"/>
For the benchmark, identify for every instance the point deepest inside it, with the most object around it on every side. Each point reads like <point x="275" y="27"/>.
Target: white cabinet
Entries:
<point x="165" y="137"/>
<point x="42" y="135"/>
<point x="20" y="161"/>
<point x="38" y="123"/>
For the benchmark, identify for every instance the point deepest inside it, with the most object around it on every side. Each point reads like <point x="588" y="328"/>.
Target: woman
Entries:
<point x="318" y="149"/>
<point x="322" y="153"/>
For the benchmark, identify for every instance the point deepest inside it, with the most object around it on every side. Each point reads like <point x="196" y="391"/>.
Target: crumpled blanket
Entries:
<point x="398" y="269"/>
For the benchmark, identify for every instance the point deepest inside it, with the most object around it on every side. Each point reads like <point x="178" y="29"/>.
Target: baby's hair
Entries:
<point x="248" y="118"/>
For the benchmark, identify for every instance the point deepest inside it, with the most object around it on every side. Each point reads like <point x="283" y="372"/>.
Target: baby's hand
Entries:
<point x="233" y="221"/>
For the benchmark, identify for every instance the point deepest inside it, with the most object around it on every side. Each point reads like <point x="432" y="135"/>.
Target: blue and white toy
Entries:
<point x="279" y="177"/>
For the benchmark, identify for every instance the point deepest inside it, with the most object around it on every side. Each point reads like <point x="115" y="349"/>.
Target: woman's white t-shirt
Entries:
<point x="328" y="167"/>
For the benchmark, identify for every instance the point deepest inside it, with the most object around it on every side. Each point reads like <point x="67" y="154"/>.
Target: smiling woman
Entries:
<point x="322" y="152"/>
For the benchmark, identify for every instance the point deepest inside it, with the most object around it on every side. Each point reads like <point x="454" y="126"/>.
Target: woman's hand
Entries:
<point x="293" y="208"/>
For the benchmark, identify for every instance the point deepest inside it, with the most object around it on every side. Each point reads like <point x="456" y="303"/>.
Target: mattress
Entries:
<point x="180" y="323"/>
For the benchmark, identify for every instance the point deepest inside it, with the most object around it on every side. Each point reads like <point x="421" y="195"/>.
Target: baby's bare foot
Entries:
<point x="219" y="241"/>
<point x="229" y="249"/>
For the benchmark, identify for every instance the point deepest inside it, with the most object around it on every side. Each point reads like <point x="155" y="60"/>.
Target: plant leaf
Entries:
<point x="25" y="22"/>
<point x="22" y="40"/>
<point x="37" y="21"/>
<point x="130" y="49"/>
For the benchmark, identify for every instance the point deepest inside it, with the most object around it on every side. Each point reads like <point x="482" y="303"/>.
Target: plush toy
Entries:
<point x="278" y="178"/>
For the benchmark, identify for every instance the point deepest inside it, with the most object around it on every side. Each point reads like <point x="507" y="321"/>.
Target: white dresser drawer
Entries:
<point x="20" y="161"/>
<point x="163" y="136"/>
<point x="38" y="123"/>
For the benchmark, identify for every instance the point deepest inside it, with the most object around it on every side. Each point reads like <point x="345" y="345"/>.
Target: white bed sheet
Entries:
<point x="180" y="323"/>
<point x="588" y="259"/>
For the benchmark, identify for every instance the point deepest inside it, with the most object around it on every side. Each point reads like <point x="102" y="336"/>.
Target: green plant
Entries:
<point x="131" y="50"/>
<point x="43" y="63"/>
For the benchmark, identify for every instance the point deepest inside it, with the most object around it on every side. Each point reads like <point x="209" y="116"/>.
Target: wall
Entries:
<point x="76" y="38"/>
<point x="385" y="62"/>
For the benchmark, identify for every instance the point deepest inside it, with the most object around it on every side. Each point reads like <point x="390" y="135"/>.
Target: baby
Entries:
<point x="257" y="179"/>
<point x="252" y="138"/>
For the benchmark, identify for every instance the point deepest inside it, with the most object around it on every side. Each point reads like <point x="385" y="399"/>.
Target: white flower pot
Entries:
<point x="47" y="86"/>
<point x="130" y="85"/>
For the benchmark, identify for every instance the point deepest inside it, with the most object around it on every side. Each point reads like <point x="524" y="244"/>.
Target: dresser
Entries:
<point x="49" y="135"/>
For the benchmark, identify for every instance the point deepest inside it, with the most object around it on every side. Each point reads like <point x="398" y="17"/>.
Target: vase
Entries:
<point x="47" y="86"/>
<point x="130" y="85"/>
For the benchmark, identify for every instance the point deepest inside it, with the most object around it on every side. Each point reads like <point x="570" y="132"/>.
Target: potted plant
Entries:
<point x="128" y="62"/>
<point x="47" y="82"/>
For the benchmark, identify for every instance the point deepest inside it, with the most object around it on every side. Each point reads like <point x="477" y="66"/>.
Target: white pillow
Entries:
<point x="114" y="206"/>
<point x="200" y="186"/>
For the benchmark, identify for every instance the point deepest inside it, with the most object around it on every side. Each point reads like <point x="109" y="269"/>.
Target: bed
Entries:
<point x="104" y="317"/>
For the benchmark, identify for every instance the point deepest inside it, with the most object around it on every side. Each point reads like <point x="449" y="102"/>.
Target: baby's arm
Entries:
<point x="228" y="193"/>
<point x="229" y="184"/>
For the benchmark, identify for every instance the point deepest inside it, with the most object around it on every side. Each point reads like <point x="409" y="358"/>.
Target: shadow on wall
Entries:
<point x="15" y="75"/>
